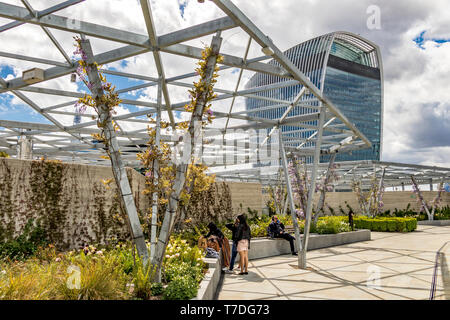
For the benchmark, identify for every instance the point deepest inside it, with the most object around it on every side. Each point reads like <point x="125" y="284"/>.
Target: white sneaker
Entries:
<point x="227" y="271"/>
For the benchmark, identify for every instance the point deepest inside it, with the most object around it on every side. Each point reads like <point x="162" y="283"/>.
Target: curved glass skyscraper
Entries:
<point x="348" y="70"/>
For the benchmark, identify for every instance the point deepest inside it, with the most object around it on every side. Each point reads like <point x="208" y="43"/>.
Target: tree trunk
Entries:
<point x="422" y="201"/>
<point x="380" y="192"/>
<point x="440" y="188"/>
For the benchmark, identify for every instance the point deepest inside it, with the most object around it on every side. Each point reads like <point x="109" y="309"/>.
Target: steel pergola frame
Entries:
<point x="50" y="140"/>
<point x="396" y="174"/>
<point x="73" y="142"/>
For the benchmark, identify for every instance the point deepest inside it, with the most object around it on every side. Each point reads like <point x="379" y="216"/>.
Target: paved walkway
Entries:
<point x="403" y="261"/>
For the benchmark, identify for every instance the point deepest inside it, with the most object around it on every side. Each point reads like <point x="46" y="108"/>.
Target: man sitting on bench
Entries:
<point x="276" y="230"/>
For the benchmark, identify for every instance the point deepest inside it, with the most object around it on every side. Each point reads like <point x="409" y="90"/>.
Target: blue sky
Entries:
<point x="22" y="112"/>
<point x="421" y="39"/>
<point x="9" y="111"/>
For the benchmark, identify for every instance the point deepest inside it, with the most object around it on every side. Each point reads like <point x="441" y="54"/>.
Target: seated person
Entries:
<point x="276" y="230"/>
<point x="216" y="235"/>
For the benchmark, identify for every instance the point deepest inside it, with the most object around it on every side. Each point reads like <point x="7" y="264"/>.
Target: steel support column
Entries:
<point x="181" y="170"/>
<point x="119" y="171"/>
<point x="154" y="221"/>
<point x="290" y="196"/>
<point x="312" y="187"/>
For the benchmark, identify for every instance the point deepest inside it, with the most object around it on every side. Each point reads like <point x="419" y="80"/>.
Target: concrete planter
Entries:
<point x="438" y="223"/>
<point x="210" y="282"/>
<point x="263" y="248"/>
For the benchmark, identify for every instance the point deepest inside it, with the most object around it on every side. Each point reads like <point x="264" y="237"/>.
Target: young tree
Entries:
<point x="424" y="206"/>
<point x="371" y="203"/>
<point x="299" y="178"/>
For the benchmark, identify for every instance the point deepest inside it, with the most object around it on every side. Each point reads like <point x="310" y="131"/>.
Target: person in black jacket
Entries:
<point x="214" y="231"/>
<point x="276" y="230"/>
<point x="243" y="236"/>
<point x="233" y="227"/>
<point x="215" y="234"/>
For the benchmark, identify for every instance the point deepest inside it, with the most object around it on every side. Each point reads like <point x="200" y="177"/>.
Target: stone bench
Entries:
<point x="435" y="223"/>
<point x="268" y="247"/>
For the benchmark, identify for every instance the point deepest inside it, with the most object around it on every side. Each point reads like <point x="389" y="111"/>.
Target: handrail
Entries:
<point x="436" y="264"/>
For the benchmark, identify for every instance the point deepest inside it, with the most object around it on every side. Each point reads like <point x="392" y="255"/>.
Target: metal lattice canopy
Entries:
<point x="164" y="70"/>
<point x="396" y="174"/>
<point x="60" y="138"/>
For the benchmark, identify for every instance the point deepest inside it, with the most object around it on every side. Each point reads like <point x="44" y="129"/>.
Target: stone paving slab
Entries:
<point x="403" y="262"/>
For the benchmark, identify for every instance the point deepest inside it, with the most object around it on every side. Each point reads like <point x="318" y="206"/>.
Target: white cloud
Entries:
<point x="417" y="99"/>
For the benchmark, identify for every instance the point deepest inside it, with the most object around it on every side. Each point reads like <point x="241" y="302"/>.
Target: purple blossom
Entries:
<point x="80" y="108"/>
<point x="299" y="213"/>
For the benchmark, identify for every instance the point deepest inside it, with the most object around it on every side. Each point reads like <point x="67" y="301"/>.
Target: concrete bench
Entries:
<point x="267" y="247"/>
<point x="435" y="223"/>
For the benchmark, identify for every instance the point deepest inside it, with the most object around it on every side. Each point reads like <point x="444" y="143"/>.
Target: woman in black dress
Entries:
<point x="243" y="236"/>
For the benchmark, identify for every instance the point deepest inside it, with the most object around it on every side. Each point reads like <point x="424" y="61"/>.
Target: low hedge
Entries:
<point x="385" y="224"/>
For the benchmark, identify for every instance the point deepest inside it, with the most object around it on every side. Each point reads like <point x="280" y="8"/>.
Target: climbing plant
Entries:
<point x="109" y="99"/>
<point x="200" y="108"/>
<point x="197" y="181"/>
<point x="73" y="206"/>
<point x="46" y="183"/>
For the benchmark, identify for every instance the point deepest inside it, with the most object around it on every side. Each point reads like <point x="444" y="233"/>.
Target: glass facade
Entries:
<point x="347" y="73"/>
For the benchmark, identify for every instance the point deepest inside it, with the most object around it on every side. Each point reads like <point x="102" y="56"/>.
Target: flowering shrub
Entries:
<point x="183" y="269"/>
<point x="178" y="250"/>
<point x="104" y="273"/>
<point x="332" y="225"/>
<point x="181" y="288"/>
<point x="157" y="288"/>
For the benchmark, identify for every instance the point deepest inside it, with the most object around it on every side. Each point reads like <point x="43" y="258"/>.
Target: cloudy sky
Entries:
<point x="414" y="37"/>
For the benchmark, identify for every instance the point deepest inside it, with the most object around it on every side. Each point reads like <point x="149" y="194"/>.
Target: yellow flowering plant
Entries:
<point x="197" y="180"/>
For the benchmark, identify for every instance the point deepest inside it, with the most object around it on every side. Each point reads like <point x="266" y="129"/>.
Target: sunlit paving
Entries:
<point x="204" y="150"/>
